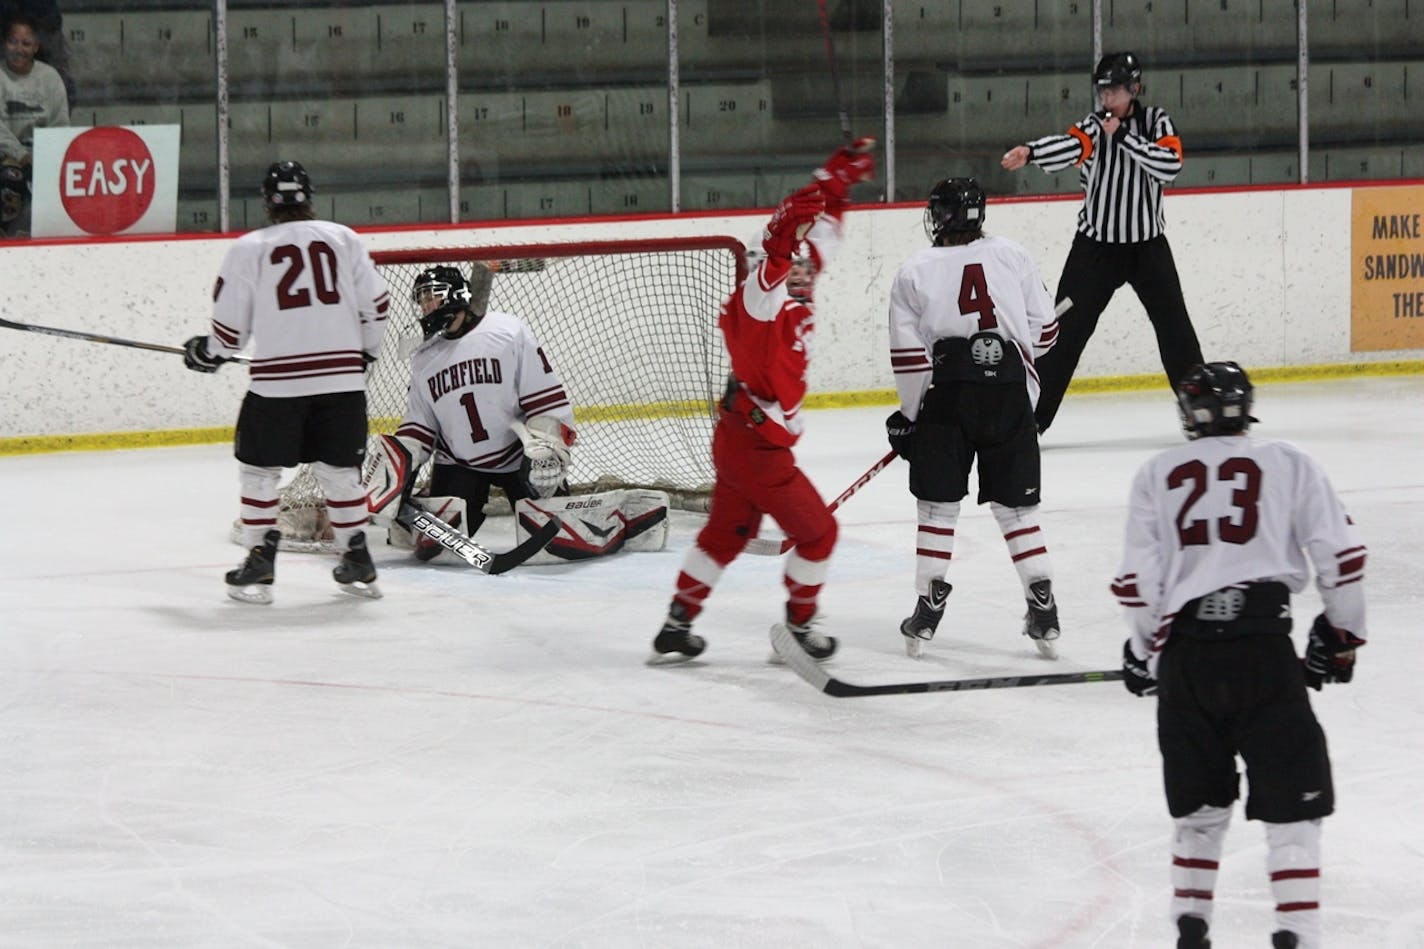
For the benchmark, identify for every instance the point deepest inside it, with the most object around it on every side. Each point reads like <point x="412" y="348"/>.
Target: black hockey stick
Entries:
<point x="112" y="340"/>
<point x="813" y="672"/>
<point x="481" y="558"/>
<point x="835" y="72"/>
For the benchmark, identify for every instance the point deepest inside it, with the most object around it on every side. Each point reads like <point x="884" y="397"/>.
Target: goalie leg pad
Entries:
<point x="595" y="525"/>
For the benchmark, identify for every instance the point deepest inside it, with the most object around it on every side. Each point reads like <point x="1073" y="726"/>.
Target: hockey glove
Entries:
<point x="793" y="218"/>
<point x="546" y="452"/>
<point x="196" y="358"/>
<point x="1134" y="673"/>
<point x="901" y="432"/>
<point x="390" y="474"/>
<point x="1330" y="654"/>
<point x="849" y="165"/>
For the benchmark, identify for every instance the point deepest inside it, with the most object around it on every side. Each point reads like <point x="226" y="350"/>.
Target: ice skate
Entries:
<point x="919" y="627"/>
<point x="1191" y="932"/>
<point x="817" y="645"/>
<point x="251" y="582"/>
<point x="676" y="642"/>
<point x="1041" y="620"/>
<point x="356" y="574"/>
<point x="1284" y="939"/>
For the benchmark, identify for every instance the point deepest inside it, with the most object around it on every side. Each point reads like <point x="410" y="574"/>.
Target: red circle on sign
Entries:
<point x="106" y="180"/>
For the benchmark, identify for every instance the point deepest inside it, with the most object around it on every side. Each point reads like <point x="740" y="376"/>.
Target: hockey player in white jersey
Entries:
<point x="968" y="317"/>
<point x="306" y="297"/>
<point x="1220" y="533"/>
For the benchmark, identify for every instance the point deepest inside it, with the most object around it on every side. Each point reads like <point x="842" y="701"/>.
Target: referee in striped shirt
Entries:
<point x="1124" y="154"/>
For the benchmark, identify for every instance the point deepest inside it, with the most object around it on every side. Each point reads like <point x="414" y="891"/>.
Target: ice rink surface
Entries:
<point x="480" y="761"/>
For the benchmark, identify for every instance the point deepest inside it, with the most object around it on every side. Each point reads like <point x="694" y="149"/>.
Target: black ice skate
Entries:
<point x="1041" y="621"/>
<point x="356" y="573"/>
<point x="817" y="645"/>
<point x="1191" y="933"/>
<point x="251" y="582"/>
<point x="676" y="642"/>
<point x="919" y="627"/>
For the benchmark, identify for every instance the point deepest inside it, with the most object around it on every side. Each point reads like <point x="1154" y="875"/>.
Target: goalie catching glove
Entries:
<point x="546" y="451"/>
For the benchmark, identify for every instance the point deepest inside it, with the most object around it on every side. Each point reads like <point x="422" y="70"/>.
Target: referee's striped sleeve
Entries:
<point x="1056" y="152"/>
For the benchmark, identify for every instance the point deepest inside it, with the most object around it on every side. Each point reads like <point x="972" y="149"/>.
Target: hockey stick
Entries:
<point x="96" y="338"/>
<point x="481" y="558"/>
<point x="771" y="547"/>
<point x="835" y="73"/>
<point x="813" y="672"/>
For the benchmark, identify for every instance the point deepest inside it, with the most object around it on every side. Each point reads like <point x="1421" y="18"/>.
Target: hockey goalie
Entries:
<point x="487" y="405"/>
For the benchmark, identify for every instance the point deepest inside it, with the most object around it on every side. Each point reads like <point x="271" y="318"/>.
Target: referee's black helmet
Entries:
<point x="1118" y="69"/>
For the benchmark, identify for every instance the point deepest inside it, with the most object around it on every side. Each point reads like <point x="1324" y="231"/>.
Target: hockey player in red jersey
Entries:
<point x="307" y="297"/>
<point x="1219" y="532"/>
<point x="768" y="325"/>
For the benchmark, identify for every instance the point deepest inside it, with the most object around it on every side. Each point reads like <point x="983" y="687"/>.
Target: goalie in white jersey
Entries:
<point x="1220" y="532"/>
<point x="306" y="296"/>
<point x="968" y="317"/>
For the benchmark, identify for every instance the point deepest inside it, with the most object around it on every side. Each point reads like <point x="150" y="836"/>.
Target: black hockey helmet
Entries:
<point x="955" y="204"/>
<point x="1118" y="69"/>
<point x="1215" y="399"/>
<point x="449" y="289"/>
<point x="286" y="185"/>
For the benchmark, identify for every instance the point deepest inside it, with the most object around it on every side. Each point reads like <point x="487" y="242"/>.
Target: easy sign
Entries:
<point x="105" y="181"/>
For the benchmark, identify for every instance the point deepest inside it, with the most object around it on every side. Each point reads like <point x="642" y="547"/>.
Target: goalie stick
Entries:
<point x="772" y="547"/>
<point x="813" y="672"/>
<point x="481" y="558"/>
<point x="111" y="340"/>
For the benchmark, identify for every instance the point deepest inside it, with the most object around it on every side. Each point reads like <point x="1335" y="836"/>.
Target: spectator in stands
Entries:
<point x="49" y="28"/>
<point x="31" y="96"/>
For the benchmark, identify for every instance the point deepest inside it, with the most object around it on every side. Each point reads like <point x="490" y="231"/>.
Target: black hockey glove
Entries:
<point x="367" y="361"/>
<point x="1330" y="654"/>
<point x="196" y="358"/>
<point x="1134" y="673"/>
<point x="901" y="432"/>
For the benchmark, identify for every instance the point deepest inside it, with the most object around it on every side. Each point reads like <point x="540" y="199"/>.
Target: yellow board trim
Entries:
<point x="108" y="441"/>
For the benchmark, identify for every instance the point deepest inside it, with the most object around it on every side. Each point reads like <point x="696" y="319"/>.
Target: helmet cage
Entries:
<point x="447" y="287"/>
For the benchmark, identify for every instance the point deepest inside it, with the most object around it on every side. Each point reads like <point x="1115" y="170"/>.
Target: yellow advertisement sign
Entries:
<point x="1387" y="269"/>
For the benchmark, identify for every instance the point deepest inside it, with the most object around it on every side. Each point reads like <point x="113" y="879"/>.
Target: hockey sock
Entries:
<point x="1293" y="860"/>
<point x="934" y="541"/>
<point x="258" y="508"/>
<point x="1196" y="856"/>
<point x="803" y="584"/>
<point x="1027" y="550"/>
<point x="345" y="501"/>
<point x="695" y="581"/>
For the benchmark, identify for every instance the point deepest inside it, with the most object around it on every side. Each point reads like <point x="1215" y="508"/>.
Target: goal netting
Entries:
<point x="631" y="327"/>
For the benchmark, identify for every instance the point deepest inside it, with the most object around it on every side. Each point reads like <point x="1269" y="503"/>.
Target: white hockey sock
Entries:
<point x="1293" y="861"/>
<point x="934" y="541"/>
<point x="345" y="501"/>
<point x="695" y="581"/>
<point x="257" y="511"/>
<point x="1027" y="548"/>
<point x="803" y="581"/>
<point x="1196" y="855"/>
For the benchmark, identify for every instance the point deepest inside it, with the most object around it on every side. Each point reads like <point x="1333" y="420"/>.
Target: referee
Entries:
<point x="1124" y="153"/>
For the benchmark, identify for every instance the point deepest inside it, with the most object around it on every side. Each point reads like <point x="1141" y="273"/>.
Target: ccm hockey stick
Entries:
<point x="773" y="547"/>
<point x="835" y="72"/>
<point x="813" y="672"/>
<point x="97" y="338"/>
<point x="481" y="558"/>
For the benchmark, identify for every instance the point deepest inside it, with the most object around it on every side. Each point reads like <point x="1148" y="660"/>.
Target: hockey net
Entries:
<point x="630" y="325"/>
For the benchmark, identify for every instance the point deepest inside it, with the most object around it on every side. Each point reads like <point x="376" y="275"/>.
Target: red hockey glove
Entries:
<point x="1330" y="654"/>
<point x="793" y="218"/>
<point x="850" y="165"/>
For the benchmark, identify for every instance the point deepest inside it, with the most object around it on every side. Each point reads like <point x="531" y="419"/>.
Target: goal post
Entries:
<point x="631" y="327"/>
